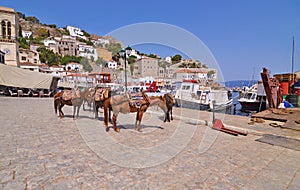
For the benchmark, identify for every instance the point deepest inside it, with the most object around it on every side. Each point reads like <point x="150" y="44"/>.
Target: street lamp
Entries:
<point x="125" y="52"/>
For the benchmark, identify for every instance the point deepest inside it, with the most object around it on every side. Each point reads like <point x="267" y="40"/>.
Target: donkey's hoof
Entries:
<point x="117" y="130"/>
<point x="107" y="129"/>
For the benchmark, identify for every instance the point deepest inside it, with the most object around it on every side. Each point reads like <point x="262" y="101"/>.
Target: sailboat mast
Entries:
<point x="293" y="46"/>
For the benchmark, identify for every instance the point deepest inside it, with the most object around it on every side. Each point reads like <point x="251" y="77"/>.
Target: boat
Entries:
<point x="255" y="99"/>
<point x="191" y="94"/>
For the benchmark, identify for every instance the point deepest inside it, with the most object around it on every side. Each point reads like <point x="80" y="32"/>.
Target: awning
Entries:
<point x="22" y="78"/>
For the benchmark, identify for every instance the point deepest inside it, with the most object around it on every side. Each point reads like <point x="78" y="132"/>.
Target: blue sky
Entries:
<point x="243" y="35"/>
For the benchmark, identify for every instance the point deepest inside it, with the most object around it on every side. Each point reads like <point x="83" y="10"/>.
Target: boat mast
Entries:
<point x="293" y="46"/>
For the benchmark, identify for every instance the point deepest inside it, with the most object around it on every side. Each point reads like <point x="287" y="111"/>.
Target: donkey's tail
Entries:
<point x="56" y="102"/>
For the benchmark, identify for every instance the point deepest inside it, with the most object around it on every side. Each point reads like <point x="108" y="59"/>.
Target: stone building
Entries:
<point x="27" y="55"/>
<point x="8" y="36"/>
<point x="146" y="67"/>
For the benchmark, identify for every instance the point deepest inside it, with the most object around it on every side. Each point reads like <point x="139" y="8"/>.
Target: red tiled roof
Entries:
<point x="28" y="64"/>
<point x="184" y="71"/>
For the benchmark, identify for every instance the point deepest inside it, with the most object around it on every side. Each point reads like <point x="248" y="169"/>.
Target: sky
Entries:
<point x="243" y="35"/>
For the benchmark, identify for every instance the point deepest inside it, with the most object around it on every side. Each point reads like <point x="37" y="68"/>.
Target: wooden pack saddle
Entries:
<point x="71" y="94"/>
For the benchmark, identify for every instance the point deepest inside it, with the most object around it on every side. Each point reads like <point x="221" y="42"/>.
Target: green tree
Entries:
<point x="67" y="59"/>
<point x="42" y="33"/>
<point x="153" y="56"/>
<point x="85" y="33"/>
<point x="89" y="43"/>
<point x="21" y="15"/>
<point x="131" y="59"/>
<point x="48" y="56"/>
<point x="32" y="19"/>
<point x="85" y="63"/>
<point x="176" y="58"/>
<point x="210" y="73"/>
<point x="114" y="48"/>
<point x="100" y="61"/>
<point x="23" y="43"/>
<point x="20" y="31"/>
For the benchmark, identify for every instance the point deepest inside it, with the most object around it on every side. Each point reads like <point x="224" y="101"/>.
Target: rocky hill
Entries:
<point x="35" y="27"/>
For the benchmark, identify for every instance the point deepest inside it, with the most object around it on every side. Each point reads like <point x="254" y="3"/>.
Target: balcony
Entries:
<point x="9" y="39"/>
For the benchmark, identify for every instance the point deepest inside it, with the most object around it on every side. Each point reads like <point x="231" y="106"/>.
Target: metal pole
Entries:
<point x="213" y="110"/>
<point x="125" y="72"/>
<point x="293" y="46"/>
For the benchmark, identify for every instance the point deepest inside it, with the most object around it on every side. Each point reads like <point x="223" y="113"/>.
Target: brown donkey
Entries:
<point x="123" y="104"/>
<point x="71" y="98"/>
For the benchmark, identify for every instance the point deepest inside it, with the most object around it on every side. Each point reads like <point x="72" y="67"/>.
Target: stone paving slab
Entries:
<point x="40" y="151"/>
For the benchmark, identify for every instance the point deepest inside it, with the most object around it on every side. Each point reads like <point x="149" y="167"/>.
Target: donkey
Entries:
<point x="71" y="98"/>
<point x="123" y="104"/>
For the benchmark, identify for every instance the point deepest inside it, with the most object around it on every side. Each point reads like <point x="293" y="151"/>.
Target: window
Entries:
<point x="23" y="58"/>
<point x="3" y="26"/>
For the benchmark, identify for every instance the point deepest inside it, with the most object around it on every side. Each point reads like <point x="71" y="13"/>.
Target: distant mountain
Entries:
<point x="240" y="83"/>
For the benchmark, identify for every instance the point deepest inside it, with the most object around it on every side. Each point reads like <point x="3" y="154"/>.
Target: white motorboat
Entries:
<point x="193" y="95"/>
<point x="254" y="99"/>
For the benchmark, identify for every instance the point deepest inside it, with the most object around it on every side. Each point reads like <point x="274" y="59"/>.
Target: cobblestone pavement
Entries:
<point x="40" y="151"/>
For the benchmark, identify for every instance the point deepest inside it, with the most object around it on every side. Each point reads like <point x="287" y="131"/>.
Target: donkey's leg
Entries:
<point x="115" y="122"/>
<point x="168" y="115"/>
<point x="109" y="114"/>
<point x="171" y="111"/>
<point x="138" y="120"/>
<point x="61" y="113"/>
<point x="96" y="109"/>
<point x="74" y="110"/>
<point x="78" y="109"/>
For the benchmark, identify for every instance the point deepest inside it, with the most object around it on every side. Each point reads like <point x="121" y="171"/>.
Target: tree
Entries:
<point x="210" y="73"/>
<point x="20" y="31"/>
<point x="23" y="43"/>
<point x="48" y="56"/>
<point x="85" y="33"/>
<point x="42" y="33"/>
<point x="68" y="58"/>
<point x="131" y="59"/>
<point x="32" y="19"/>
<point x="100" y="61"/>
<point x="85" y="63"/>
<point x="114" y="48"/>
<point x="176" y="58"/>
<point x="89" y="43"/>
<point x="153" y="56"/>
<point x="21" y="15"/>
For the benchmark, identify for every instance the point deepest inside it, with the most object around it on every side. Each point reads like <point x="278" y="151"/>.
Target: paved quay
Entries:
<point x="40" y="151"/>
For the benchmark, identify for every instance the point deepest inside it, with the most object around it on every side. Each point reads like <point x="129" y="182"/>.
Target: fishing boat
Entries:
<point x="191" y="94"/>
<point x="254" y="100"/>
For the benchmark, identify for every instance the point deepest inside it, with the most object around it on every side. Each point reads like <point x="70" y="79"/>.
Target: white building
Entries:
<point x="26" y="34"/>
<point x="168" y="59"/>
<point x="48" y="42"/>
<point x="135" y="53"/>
<point x="74" y="66"/>
<point x="101" y="41"/>
<point x="74" y="31"/>
<point x="112" y="65"/>
<point x="87" y="51"/>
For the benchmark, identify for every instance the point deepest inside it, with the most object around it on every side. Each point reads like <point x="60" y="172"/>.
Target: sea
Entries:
<point x="236" y="106"/>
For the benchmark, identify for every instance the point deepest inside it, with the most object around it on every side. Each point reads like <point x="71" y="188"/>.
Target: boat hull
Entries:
<point x="253" y="106"/>
<point x="191" y="105"/>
